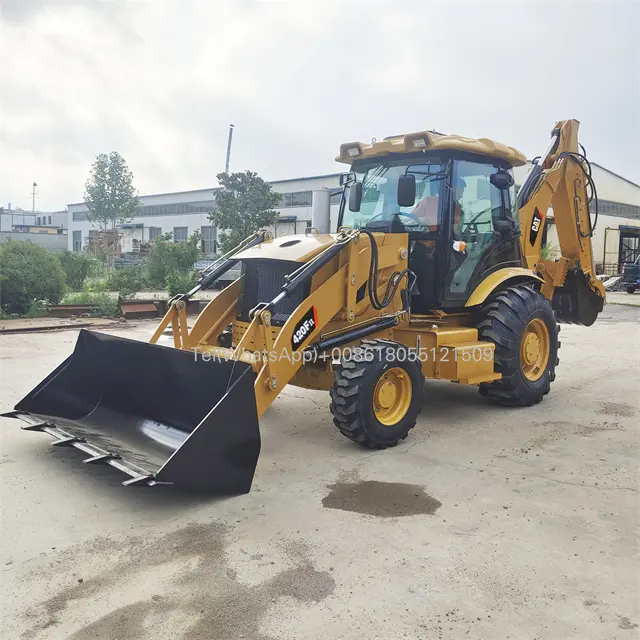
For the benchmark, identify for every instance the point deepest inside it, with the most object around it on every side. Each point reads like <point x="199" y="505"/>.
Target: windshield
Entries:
<point x="380" y="194"/>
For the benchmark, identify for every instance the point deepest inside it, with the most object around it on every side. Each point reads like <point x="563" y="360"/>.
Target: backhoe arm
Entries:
<point x="561" y="179"/>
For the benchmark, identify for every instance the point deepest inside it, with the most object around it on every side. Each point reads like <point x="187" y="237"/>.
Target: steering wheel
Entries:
<point x="416" y="220"/>
<point x="472" y="226"/>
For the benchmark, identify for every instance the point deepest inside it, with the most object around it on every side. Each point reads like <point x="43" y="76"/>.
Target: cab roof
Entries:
<point x="430" y="141"/>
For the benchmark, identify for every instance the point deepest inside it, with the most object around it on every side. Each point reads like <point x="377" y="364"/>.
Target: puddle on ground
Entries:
<point x="382" y="499"/>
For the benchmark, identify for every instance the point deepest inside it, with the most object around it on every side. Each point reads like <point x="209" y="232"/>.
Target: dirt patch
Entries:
<point x="619" y="409"/>
<point x="625" y="623"/>
<point x="381" y="499"/>
<point x="203" y="601"/>
<point x="126" y="622"/>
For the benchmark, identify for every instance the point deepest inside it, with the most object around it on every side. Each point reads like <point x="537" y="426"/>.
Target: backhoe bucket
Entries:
<point x="575" y="302"/>
<point x="160" y="415"/>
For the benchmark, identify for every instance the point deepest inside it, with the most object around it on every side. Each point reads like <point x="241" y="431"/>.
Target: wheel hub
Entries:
<point x="535" y="348"/>
<point x="531" y="348"/>
<point x="392" y="396"/>
<point x="387" y="394"/>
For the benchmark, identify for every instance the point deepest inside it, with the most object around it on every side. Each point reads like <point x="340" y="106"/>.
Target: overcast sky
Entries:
<point x="159" y="82"/>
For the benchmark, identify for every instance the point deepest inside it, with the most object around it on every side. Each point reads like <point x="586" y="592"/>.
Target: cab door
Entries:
<point x="475" y="249"/>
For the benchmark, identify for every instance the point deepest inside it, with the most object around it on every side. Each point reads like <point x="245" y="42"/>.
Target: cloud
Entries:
<point x="160" y="83"/>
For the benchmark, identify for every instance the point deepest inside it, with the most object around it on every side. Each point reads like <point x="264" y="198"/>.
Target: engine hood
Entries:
<point x="299" y="248"/>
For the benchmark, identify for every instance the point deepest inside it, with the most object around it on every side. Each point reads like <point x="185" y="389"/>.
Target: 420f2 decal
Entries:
<point x="305" y="326"/>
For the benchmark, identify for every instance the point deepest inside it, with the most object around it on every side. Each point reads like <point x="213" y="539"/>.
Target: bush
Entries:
<point x="107" y="305"/>
<point x="127" y="281"/>
<point x="180" y="282"/>
<point x="167" y="257"/>
<point x="76" y="267"/>
<point x="28" y="273"/>
<point x="96" y="285"/>
<point x="38" y="309"/>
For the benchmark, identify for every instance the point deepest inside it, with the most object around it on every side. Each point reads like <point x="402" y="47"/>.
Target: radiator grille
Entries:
<point x="263" y="280"/>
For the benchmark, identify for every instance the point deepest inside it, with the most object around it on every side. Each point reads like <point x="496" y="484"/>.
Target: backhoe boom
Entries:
<point x="561" y="179"/>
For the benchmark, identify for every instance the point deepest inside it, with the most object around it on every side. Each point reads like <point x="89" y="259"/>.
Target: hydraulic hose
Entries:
<point x="394" y="281"/>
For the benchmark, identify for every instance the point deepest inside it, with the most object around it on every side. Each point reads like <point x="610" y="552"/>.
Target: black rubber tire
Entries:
<point x="631" y="289"/>
<point x="355" y="379"/>
<point x="502" y="320"/>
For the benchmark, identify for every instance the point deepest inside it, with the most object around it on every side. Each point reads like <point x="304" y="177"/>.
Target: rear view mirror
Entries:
<point x="501" y="180"/>
<point x="407" y="190"/>
<point x="355" y="196"/>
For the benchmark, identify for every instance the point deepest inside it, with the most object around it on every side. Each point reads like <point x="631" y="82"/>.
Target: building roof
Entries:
<point x="427" y="141"/>
<point x="613" y="173"/>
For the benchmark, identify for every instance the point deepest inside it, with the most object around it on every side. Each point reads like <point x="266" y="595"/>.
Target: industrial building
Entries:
<point x="45" y="228"/>
<point x="184" y="212"/>
<point x="616" y="239"/>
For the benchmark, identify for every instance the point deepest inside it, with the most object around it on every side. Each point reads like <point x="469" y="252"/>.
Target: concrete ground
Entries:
<point x="487" y="523"/>
<point x="622" y="297"/>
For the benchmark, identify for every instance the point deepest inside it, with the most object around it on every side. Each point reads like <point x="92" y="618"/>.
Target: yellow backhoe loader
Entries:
<point x="434" y="272"/>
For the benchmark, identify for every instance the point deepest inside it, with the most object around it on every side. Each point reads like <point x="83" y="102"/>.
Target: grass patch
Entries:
<point x="107" y="306"/>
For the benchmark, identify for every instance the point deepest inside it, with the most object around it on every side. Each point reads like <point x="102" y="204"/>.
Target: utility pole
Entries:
<point x="226" y="164"/>
<point x="33" y="198"/>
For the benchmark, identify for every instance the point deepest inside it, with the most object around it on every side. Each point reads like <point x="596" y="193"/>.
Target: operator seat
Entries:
<point x="423" y="261"/>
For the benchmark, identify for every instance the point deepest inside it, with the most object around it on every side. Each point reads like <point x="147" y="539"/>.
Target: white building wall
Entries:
<point x="194" y="221"/>
<point x="608" y="185"/>
<point x="608" y="227"/>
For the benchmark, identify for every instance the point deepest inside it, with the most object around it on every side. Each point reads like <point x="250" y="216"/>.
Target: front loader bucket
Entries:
<point x="158" y="414"/>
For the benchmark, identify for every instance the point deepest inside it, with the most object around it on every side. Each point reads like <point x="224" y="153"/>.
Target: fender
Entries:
<point x="497" y="278"/>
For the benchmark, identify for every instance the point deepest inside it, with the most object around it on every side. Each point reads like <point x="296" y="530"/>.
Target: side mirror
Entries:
<point x="502" y="180"/>
<point x="505" y="226"/>
<point x="355" y="196"/>
<point x="407" y="190"/>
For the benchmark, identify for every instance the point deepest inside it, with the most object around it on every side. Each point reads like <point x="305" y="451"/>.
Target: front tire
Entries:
<point x="631" y="288"/>
<point x="521" y="323"/>
<point x="377" y="394"/>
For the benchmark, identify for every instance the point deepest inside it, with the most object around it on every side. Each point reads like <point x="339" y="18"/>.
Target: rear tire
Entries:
<point x="521" y="323"/>
<point x="377" y="394"/>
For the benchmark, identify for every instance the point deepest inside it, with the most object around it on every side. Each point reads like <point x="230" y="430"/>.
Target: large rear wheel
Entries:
<point x="377" y="394"/>
<point x="521" y="323"/>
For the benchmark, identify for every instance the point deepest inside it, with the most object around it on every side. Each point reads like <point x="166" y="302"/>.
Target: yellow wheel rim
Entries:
<point x="392" y="396"/>
<point x="534" y="349"/>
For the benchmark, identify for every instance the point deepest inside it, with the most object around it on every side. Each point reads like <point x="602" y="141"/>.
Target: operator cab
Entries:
<point x="459" y="210"/>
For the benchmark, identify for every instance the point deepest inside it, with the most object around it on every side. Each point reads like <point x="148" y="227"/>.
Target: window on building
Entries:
<point x="608" y="208"/>
<point x="336" y="197"/>
<point x="78" y="216"/>
<point x="209" y="236"/>
<point x="38" y="220"/>
<point x="49" y="219"/>
<point x="177" y="208"/>
<point x="154" y="232"/>
<point x="180" y="234"/>
<point x="77" y="240"/>
<point x="297" y="199"/>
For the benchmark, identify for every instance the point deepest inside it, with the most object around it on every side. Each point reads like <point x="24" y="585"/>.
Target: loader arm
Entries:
<point x="561" y="179"/>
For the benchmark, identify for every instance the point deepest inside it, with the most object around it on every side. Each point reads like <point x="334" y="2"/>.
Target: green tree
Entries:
<point x="76" y="267"/>
<point x="168" y="257"/>
<point x="28" y="273"/>
<point x="245" y="204"/>
<point x="109" y="194"/>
